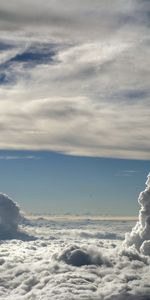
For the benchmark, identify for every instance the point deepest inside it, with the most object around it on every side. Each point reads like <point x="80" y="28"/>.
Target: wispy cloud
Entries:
<point x="76" y="79"/>
<point x="127" y="173"/>
<point x="14" y="157"/>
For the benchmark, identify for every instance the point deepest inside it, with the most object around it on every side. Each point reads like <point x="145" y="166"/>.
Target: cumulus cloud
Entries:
<point x="78" y="257"/>
<point x="140" y="234"/>
<point x="10" y="217"/>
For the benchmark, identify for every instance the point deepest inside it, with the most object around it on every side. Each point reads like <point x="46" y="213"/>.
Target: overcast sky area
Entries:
<point x="74" y="80"/>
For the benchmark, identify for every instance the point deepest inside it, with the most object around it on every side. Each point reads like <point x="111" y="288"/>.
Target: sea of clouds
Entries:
<point x="59" y="258"/>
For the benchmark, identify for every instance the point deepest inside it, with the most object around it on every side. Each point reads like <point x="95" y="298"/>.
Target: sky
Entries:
<point x="74" y="104"/>
<point x="53" y="183"/>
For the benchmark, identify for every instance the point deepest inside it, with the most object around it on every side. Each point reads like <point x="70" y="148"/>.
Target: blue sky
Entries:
<point x="55" y="183"/>
<point x="74" y="80"/>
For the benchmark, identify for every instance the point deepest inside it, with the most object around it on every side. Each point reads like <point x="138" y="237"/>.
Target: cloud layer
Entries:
<point x="74" y="77"/>
<point x="63" y="265"/>
<point x="71" y="260"/>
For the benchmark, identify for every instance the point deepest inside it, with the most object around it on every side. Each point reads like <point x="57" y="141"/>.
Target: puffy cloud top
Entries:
<point x="10" y="217"/>
<point x="140" y="235"/>
<point x="78" y="257"/>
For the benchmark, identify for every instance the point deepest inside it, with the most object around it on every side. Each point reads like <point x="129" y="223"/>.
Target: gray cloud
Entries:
<point x="78" y="257"/>
<point x="10" y="218"/>
<point x="74" y="77"/>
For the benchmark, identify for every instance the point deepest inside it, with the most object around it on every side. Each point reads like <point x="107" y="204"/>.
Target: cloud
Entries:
<point x="78" y="257"/>
<point x="14" y="157"/>
<point x="145" y="248"/>
<point x="10" y="217"/>
<point x="74" y="77"/>
<point x="127" y="173"/>
<point x="61" y="263"/>
<point x="128" y="296"/>
<point x="140" y="234"/>
<point x="101" y="235"/>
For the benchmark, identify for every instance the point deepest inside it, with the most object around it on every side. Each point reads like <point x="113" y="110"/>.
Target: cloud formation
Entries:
<point x="74" y="77"/>
<point x="10" y="218"/>
<point x="140" y="234"/>
<point x="78" y="257"/>
<point x="63" y="263"/>
<point x="60" y="265"/>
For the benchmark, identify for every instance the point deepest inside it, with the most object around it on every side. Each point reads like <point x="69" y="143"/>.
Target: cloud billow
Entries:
<point x="140" y="235"/>
<point x="78" y="257"/>
<point x="10" y="218"/>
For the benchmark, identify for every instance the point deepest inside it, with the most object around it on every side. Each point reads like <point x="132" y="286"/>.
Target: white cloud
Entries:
<point x="37" y="269"/>
<point x="127" y="173"/>
<point x="140" y="234"/>
<point x="63" y="263"/>
<point x="14" y="157"/>
<point x="10" y="218"/>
